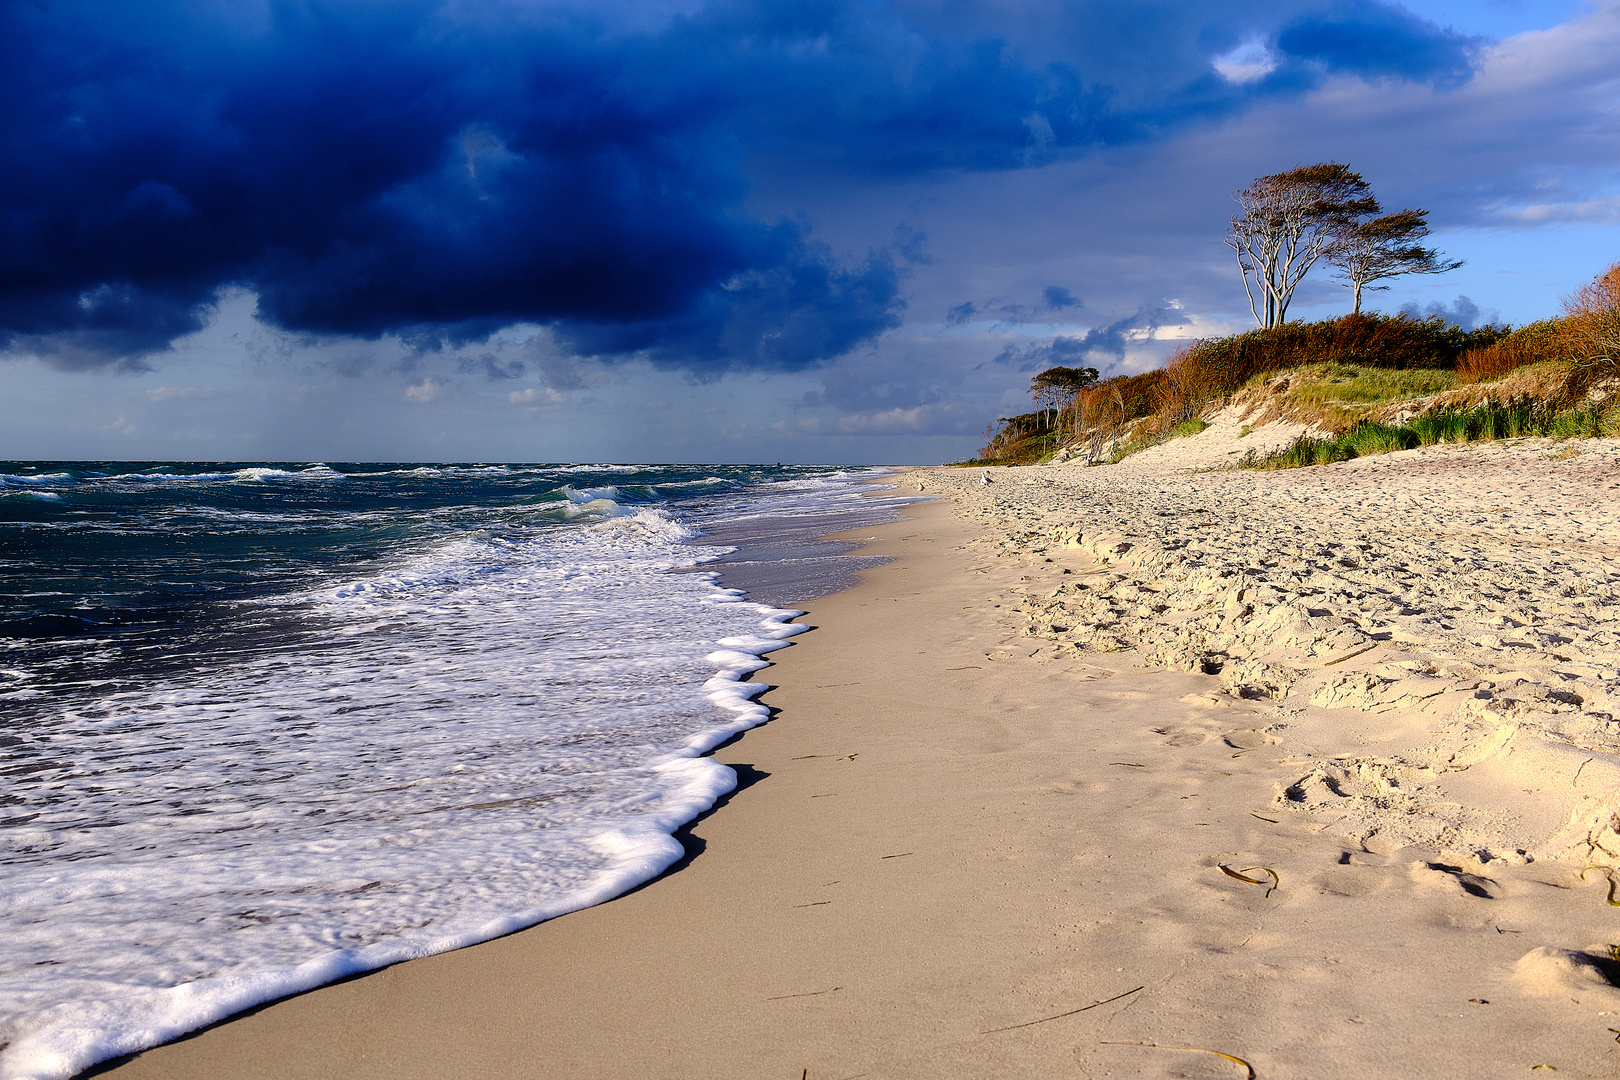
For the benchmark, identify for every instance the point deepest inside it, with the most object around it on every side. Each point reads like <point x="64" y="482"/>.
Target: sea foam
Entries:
<point x="488" y="732"/>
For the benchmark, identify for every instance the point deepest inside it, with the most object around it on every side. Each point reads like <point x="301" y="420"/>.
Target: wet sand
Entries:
<point x="959" y="850"/>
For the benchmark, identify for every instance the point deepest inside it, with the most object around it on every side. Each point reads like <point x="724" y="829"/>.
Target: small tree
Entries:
<point x="1287" y="223"/>
<point x="1592" y="323"/>
<point x="1055" y="387"/>
<point x="1385" y="247"/>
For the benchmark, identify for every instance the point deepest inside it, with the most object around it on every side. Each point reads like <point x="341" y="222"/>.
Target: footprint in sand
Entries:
<point x="1350" y="880"/>
<point x="1454" y="879"/>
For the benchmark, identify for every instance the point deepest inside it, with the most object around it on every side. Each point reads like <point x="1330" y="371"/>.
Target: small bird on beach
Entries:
<point x="984" y="477"/>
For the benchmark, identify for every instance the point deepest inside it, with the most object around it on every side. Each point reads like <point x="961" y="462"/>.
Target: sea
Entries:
<point x="264" y="726"/>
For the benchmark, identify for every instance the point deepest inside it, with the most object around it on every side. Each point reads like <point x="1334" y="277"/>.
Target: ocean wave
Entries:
<point x="10" y="480"/>
<point x="706" y="481"/>
<point x="259" y="473"/>
<point x="605" y="468"/>
<point x="560" y="773"/>
<point x="486" y="708"/>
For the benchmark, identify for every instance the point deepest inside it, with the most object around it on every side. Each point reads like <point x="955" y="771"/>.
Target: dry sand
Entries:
<point x="955" y="838"/>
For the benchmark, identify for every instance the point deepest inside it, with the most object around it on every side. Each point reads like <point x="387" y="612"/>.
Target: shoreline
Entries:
<point x="391" y="837"/>
<point x="959" y="850"/>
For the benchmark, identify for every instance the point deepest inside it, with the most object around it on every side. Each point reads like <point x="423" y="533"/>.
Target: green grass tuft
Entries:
<point x="1482" y="424"/>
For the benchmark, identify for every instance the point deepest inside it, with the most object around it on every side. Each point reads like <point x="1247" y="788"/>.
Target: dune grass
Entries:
<point x="1484" y="423"/>
<point x="1353" y="384"/>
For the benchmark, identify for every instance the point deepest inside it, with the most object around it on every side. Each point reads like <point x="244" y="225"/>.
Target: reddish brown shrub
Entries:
<point x="1532" y="344"/>
<point x="1592" y="315"/>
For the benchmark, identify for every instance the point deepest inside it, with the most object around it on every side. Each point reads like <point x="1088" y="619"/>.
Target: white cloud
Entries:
<point x="1604" y="211"/>
<point x="1250" y="61"/>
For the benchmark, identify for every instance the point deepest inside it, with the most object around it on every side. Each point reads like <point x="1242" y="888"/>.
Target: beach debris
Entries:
<point x="1351" y="655"/>
<point x="811" y="993"/>
<point x="1248" y="1069"/>
<point x="1608" y="872"/>
<point x="1128" y="764"/>
<point x="1273" y="820"/>
<point x="835" y="757"/>
<point x="902" y="855"/>
<point x="817" y="903"/>
<point x="1059" y="1016"/>
<point x="1243" y="875"/>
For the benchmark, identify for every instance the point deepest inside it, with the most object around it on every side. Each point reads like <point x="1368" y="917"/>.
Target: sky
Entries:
<point x="724" y="230"/>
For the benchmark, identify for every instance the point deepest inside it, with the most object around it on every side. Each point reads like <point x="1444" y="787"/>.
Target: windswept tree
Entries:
<point x="1366" y="251"/>
<point x="1288" y="221"/>
<point x="1054" y="388"/>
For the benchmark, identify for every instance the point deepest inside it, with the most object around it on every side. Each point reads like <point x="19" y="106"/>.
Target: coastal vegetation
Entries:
<point x="1480" y="424"/>
<point x="1360" y="383"/>
<point x="1363" y="382"/>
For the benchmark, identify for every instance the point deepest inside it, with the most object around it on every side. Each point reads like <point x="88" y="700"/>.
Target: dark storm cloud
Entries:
<point x="1054" y="298"/>
<point x="1060" y="299"/>
<point x="793" y="310"/>
<point x="442" y="171"/>
<point x="1373" y="39"/>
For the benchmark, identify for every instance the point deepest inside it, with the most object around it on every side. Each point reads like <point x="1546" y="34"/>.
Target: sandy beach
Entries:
<point x="1125" y="771"/>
